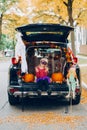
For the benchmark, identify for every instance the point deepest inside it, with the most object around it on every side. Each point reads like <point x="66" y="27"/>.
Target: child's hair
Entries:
<point x="44" y="59"/>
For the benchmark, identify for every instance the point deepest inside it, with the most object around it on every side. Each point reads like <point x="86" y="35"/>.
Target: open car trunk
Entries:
<point x="46" y="40"/>
<point x="36" y="52"/>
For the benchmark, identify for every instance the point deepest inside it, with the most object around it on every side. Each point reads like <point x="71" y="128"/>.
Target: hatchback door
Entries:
<point x="45" y="32"/>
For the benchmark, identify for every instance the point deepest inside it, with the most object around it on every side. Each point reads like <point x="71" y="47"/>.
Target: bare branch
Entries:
<point x="79" y="14"/>
<point x="51" y="14"/>
<point x="65" y="3"/>
<point x="72" y="1"/>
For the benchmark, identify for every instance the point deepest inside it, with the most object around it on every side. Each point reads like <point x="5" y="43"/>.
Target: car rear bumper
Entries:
<point x="31" y="90"/>
<point x="43" y="93"/>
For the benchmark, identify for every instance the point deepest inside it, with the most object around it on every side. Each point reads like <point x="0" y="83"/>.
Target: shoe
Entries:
<point x="22" y="74"/>
<point x="68" y="96"/>
<point x="39" y="92"/>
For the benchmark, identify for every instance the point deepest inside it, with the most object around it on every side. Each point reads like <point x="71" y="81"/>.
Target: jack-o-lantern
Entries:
<point x="57" y="77"/>
<point x="28" y="78"/>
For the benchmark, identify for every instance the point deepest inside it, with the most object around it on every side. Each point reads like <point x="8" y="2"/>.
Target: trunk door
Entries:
<point x="45" y="32"/>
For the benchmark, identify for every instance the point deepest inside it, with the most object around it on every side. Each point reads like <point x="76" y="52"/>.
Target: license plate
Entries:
<point x="54" y="93"/>
<point x="44" y="93"/>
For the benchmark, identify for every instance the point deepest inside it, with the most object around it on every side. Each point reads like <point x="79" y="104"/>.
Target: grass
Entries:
<point x="84" y="74"/>
<point x="82" y="54"/>
<point x="83" y="69"/>
<point x="82" y="61"/>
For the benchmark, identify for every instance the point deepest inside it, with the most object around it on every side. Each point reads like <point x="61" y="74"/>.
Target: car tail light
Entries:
<point x="14" y="61"/>
<point x="75" y="59"/>
<point x="12" y="90"/>
<point x="19" y="72"/>
<point x="77" y="90"/>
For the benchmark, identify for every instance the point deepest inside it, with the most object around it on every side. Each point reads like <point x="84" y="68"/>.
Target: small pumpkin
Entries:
<point x="28" y="77"/>
<point x="57" y="77"/>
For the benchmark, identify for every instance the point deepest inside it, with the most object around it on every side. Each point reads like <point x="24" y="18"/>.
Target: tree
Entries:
<point x="69" y="6"/>
<point x="4" y="5"/>
<point x="15" y="15"/>
<point x="71" y="20"/>
<point x="70" y="12"/>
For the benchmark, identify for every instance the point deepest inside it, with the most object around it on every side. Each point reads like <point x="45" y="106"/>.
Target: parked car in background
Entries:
<point x="8" y="52"/>
<point x="44" y="41"/>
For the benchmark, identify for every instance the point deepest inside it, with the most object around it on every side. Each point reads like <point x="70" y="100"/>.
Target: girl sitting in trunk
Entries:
<point x="42" y="74"/>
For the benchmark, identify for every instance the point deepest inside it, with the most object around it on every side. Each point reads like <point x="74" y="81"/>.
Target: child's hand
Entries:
<point x="46" y="69"/>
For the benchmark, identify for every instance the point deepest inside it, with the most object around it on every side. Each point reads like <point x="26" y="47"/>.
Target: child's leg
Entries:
<point x="45" y="82"/>
<point x="40" y="84"/>
<point x="67" y="96"/>
<point x="73" y="89"/>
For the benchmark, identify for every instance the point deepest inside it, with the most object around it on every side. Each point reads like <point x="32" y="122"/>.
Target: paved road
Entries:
<point x="38" y="115"/>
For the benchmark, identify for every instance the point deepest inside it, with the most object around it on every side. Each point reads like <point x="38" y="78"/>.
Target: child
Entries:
<point x="42" y="74"/>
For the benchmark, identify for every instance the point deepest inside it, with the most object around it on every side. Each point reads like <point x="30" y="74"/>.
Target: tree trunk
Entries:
<point x="73" y="42"/>
<point x="71" y="21"/>
<point x="0" y="27"/>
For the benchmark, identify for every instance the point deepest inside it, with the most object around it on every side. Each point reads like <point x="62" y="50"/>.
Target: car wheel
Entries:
<point x="13" y="100"/>
<point x="76" y="100"/>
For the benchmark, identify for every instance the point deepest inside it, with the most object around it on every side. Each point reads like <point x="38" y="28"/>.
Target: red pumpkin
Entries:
<point x="57" y="77"/>
<point x="28" y="78"/>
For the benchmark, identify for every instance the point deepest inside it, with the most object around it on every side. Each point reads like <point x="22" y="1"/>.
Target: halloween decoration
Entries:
<point x="57" y="77"/>
<point x="28" y="78"/>
<point x="72" y="81"/>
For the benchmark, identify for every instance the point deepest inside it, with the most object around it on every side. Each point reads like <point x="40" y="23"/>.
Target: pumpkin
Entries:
<point x="28" y="77"/>
<point x="57" y="77"/>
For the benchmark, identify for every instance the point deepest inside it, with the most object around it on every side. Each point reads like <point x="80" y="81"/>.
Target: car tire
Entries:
<point x="76" y="100"/>
<point x="13" y="100"/>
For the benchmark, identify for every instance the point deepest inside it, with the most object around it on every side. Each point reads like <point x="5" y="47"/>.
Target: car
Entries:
<point x="44" y="41"/>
